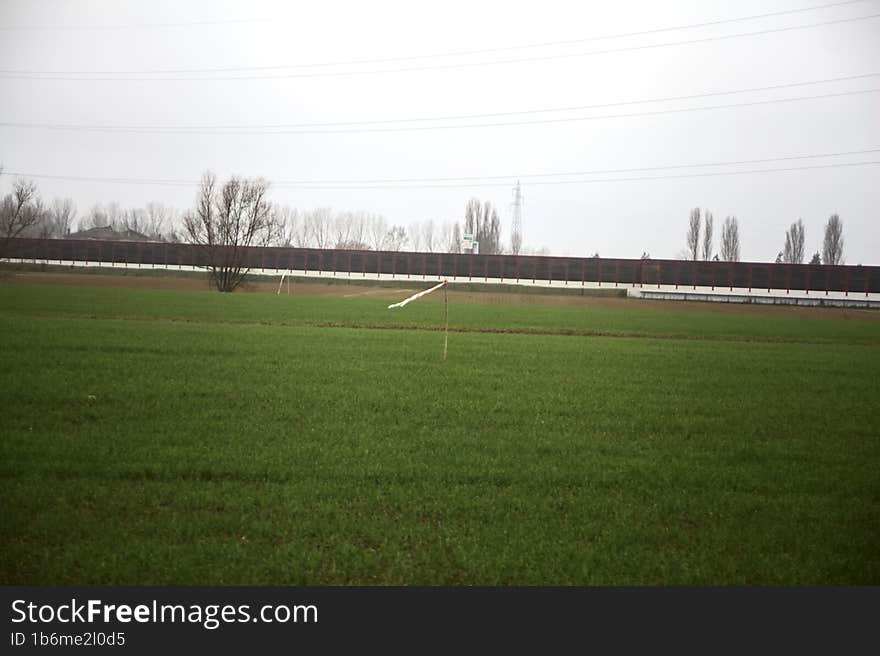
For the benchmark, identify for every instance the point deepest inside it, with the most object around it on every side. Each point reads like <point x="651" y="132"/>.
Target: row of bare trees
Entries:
<point x="237" y="214"/>
<point x="700" y="232"/>
<point x="232" y="217"/>
<point x="23" y="213"/>
<point x="154" y="221"/>
<point x="20" y="211"/>
<point x="832" y="243"/>
<point x="698" y="248"/>
<point x="324" y="228"/>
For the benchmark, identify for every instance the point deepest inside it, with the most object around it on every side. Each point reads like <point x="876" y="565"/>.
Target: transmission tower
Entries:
<point x="516" y="233"/>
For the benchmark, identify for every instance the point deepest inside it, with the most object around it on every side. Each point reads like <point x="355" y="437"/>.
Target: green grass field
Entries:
<point x="169" y="437"/>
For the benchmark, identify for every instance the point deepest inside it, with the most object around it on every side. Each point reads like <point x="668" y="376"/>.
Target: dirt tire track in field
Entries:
<point x="537" y="332"/>
<point x="338" y="288"/>
<point x="562" y="332"/>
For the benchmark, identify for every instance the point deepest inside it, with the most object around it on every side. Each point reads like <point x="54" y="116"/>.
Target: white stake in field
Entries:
<point x="284" y="275"/>
<point x="445" y="310"/>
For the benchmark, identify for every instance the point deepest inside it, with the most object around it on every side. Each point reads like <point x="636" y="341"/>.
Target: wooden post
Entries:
<point x="446" y="319"/>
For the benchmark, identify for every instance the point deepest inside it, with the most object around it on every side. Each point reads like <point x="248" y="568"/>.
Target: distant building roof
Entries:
<point x="108" y="233"/>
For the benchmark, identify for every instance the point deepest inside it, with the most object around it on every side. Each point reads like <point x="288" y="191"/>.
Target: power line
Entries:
<point x="585" y="118"/>
<point x="589" y="172"/>
<point x="184" y="75"/>
<point x="138" y="26"/>
<point x="569" y="119"/>
<point x="256" y="128"/>
<point x="395" y="183"/>
<point x="600" y="180"/>
<point x="235" y="21"/>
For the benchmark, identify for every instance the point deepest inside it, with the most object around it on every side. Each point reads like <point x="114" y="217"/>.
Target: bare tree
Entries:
<point x="415" y="236"/>
<point x="286" y="217"/>
<point x="481" y="221"/>
<point x="793" y="253"/>
<point x="293" y="226"/>
<point x="357" y="235"/>
<point x="158" y="220"/>
<point x="832" y="246"/>
<point x="226" y="222"/>
<point x="341" y="229"/>
<point x="63" y="214"/>
<point x="515" y="243"/>
<point x="20" y="211"/>
<point x="817" y="259"/>
<point x="396" y="238"/>
<point x="349" y="231"/>
<point x="709" y="222"/>
<point x="490" y="233"/>
<point x="422" y="236"/>
<point x="472" y="217"/>
<point x="378" y="229"/>
<point x="134" y="220"/>
<point x="730" y="240"/>
<point x="54" y="221"/>
<point x="319" y="225"/>
<point x="96" y="217"/>
<point x="693" y="234"/>
<point x="453" y="237"/>
<point x="429" y="239"/>
<point x="111" y="215"/>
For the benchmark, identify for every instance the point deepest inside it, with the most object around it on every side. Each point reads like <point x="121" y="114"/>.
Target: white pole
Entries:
<point x="415" y="296"/>
<point x="445" y="311"/>
<point x="446" y="316"/>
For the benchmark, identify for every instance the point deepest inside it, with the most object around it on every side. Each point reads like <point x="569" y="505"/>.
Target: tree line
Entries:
<point x="238" y="213"/>
<point x="23" y="213"/>
<point x="832" y="243"/>
<point x="700" y="232"/>
<point x="235" y="215"/>
<point x="699" y="239"/>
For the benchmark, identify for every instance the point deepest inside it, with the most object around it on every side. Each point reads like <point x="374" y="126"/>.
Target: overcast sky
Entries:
<point x="155" y="65"/>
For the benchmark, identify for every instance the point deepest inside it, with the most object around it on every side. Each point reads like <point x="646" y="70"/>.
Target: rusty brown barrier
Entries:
<point x="681" y="274"/>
